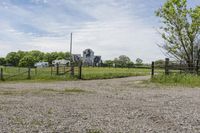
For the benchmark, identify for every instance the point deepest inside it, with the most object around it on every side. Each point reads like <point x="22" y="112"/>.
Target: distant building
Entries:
<point x="97" y="61"/>
<point x="89" y="59"/>
<point x="41" y="64"/>
<point x="77" y="57"/>
<point x="61" y="62"/>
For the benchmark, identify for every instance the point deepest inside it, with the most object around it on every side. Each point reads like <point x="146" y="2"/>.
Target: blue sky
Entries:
<point x="109" y="27"/>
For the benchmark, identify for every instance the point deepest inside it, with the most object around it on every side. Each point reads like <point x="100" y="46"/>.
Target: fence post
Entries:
<point x="80" y="70"/>
<point x="197" y="67"/>
<point x="64" y="68"/>
<point x="51" y="70"/>
<point x="72" y="69"/>
<point x="166" y="66"/>
<point x="57" y="69"/>
<point x="180" y="67"/>
<point x="29" y="73"/>
<point x="152" y="69"/>
<point x="1" y="74"/>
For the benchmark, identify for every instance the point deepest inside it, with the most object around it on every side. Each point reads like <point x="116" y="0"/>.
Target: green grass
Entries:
<point x="108" y="73"/>
<point x="177" y="79"/>
<point x="88" y="73"/>
<point x="94" y="131"/>
<point x="40" y="91"/>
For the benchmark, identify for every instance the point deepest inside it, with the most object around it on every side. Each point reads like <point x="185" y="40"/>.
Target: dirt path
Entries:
<point x="116" y="105"/>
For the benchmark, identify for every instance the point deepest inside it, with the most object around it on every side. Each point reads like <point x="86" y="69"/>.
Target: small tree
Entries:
<point x="27" y="61"/>
<point x="13" y="58"/>
<point x="180" y="30"/>
<point x="122" y="61"/>
<point x="139" y="61"/>
<point x="36" y="55"/>
<point x="130" y="64"/>
<point x="2" y="61"/>
<point x="108" y="63"/>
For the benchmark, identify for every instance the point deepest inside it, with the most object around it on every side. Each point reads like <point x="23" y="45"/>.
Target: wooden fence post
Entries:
<point x="51" y="70"/>
<point x="29" y="73"/>
<point x="166" y="66"/>
<point x="152" y="69"/>
<point x="64" y="68"/>
<point x="72" y="69"/>
<point x="197" y="67"/>
<point x="57" y="69"/>
<point x="80" y="71"/>
<point x="1" y="74"/>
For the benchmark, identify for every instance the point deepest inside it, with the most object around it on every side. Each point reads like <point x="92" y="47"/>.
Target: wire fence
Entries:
<point x="170" y="67"/>
<point x="62" y="72"/>
<point x="51" y="72"/>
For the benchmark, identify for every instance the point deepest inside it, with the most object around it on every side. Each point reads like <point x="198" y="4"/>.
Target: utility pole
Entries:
<point x="71" y="47"/>
<point x="71" y="57"/>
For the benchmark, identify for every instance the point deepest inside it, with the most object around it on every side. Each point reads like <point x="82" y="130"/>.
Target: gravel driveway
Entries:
<point x="127" y="105"/>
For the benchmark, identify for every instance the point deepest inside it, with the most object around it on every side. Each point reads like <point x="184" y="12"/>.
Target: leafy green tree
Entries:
<point x="37" y="55"/>
<point x="27" y="61"/>
<point x="2" y="61"/>
<point x="49" y="57"/>
<point x="130" y="64"/>
<point x="21" y="54"/>
<point x="139" y="62"/>
<point x="60" y="55"/>
<point x="67" y="55"/>
<point x="13" y="58"/>
<point x="122" y="61"/>
<point x="180" y="30"/>
<point x="108" y="63"/>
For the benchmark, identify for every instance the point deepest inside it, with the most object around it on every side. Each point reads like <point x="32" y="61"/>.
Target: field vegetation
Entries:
<point x="189" y="80"/>
<point x="88" y="73"/>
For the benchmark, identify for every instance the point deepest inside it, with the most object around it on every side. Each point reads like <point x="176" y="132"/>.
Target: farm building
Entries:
<point x="77" y="57"/>
<point x="89" y="59"/>
<point x="61" y="62"/>
<point x="41" y="64"/>
<point x="97" y="61"/>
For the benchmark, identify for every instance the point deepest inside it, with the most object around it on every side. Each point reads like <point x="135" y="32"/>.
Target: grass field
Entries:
<point x="88" y="73"/>
<point x="105" y="73"/>
<point x="189" y="80"/>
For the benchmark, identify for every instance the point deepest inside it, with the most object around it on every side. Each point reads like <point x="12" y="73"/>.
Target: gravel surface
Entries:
<point x="127" y="105"/>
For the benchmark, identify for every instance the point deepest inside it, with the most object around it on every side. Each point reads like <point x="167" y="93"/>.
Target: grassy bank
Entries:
<point x="88" y="73"/>
<point x="177" y="79"/>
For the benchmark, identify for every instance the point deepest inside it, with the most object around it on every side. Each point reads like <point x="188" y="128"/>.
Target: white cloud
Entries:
<point x="114" y="29"/>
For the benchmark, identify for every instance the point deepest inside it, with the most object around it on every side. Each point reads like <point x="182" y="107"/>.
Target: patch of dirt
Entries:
<point x="114" y="105"/>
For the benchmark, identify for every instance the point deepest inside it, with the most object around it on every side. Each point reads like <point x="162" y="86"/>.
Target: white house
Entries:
<point x="41" y="64"/>
<point x="61" y="62"/>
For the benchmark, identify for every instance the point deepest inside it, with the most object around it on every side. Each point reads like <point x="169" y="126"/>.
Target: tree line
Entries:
<point x="123" y="61"/>
<point x="29" y="58"/>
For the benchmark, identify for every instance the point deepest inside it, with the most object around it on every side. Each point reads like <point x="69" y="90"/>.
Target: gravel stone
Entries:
<point x="126" y="105"/>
